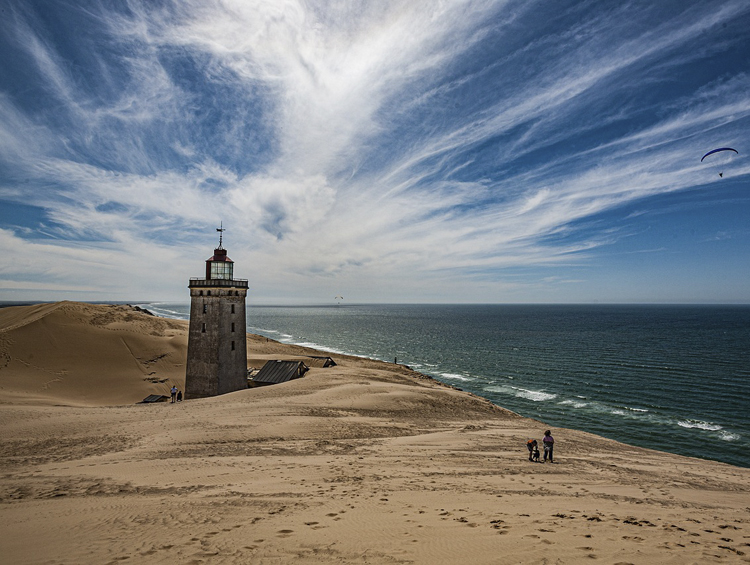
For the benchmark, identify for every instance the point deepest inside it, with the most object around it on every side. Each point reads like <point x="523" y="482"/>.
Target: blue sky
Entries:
<point x="392" y="151"/>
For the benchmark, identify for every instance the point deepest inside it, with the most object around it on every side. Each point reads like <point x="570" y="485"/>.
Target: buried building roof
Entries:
<point x="154" y="398"/>
<point x="320" y="361"/>
<point x="275" y="372"/>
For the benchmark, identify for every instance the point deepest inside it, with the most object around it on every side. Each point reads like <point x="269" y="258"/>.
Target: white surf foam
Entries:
<point x="574" y="403"/>
<point x="533" y="395"/>
<point x="164" y="312"/>
<point x="323" y="348"/>
<point x="455" y="376"/>
<point x="263" y="331"/>
<point x="708" y="426"/>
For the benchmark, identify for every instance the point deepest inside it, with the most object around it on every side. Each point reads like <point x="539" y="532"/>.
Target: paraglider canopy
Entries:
<point x="726" y="153"/>
<point x="717" y="150"/>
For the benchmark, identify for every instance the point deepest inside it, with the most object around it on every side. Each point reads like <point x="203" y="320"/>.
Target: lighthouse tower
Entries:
<point x="217" y="351"/>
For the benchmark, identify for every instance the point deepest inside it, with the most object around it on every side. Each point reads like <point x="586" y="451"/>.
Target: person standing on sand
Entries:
<point x="549" y="444"/>
<point x="174" y="399"/>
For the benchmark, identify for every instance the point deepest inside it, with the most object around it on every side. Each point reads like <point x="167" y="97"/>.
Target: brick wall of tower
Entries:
<point x="217" y="349"/>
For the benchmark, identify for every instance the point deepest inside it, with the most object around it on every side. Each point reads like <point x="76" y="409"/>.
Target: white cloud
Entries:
<point x="285" y="120"/>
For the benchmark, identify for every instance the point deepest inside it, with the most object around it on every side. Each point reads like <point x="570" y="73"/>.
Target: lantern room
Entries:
<point x="219" y="266"/>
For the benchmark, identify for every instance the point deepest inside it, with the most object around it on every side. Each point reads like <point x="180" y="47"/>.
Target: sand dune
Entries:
<point x="365" y="462"/>
<point x="88" y="354"/>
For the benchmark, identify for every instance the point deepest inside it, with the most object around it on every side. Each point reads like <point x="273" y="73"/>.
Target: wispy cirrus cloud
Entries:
<point x="445" y="146"/>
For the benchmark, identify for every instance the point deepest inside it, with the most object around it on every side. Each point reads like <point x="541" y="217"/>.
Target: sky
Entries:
<point x="436" y="151"/>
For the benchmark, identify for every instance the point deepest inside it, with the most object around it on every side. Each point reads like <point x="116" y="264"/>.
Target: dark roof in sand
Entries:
<point x="275" y="372"/>
<point x="154" y="398"/>
<point x="320" y="361"/>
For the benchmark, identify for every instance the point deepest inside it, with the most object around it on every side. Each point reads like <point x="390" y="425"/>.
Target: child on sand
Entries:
<point x="532" y="446"/>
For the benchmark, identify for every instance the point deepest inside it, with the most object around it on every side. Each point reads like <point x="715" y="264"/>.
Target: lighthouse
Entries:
<point x="217" y="350"/>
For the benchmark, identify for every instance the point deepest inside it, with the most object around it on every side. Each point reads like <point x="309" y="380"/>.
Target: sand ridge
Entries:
<point x="86" y="354"/>
<point x="365" y="462"/>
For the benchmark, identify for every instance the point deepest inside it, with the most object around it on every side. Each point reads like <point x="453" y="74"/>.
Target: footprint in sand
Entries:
<point x="730" y="549"/>
<point x="500" y="525"/>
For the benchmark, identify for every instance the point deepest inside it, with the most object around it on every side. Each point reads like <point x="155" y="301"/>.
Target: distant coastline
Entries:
<point x="569" y="365"/>
<point x="698" y="431"/>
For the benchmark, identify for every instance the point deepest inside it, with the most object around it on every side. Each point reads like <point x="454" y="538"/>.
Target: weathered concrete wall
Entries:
<point x="217" y="350"/>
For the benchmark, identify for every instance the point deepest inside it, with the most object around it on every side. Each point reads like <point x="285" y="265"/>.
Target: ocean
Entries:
<point x="672" y="378"/>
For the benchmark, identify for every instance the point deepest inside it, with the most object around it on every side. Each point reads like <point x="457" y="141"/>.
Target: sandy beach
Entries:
<point x="364" y="462"/>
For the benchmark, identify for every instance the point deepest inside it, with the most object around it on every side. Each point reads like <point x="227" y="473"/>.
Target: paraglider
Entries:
<point x="338" y="299"/>
<point x="723" y="160"/>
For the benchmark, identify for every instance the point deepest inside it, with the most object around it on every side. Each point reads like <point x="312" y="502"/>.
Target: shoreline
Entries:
<point x="318" y="349"/>
<point x="364" y="462"/>
<point x="716" y="433"/>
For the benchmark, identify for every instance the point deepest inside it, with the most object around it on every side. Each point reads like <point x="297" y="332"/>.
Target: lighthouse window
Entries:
<point x="203" y="329"/>
<point x="232" y="308"/>
<point x="208" y="293"/>
<point x="232" y="326"/>
<point x="222" y="269"/>
<point x="205" y="308"/>
<point x="232" y="346"/>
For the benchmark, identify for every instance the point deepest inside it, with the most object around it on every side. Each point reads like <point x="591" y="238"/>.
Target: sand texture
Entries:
<point x="365" y="462"/>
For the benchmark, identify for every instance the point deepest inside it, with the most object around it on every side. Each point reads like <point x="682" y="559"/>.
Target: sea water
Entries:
<point x="672" y="378"/>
